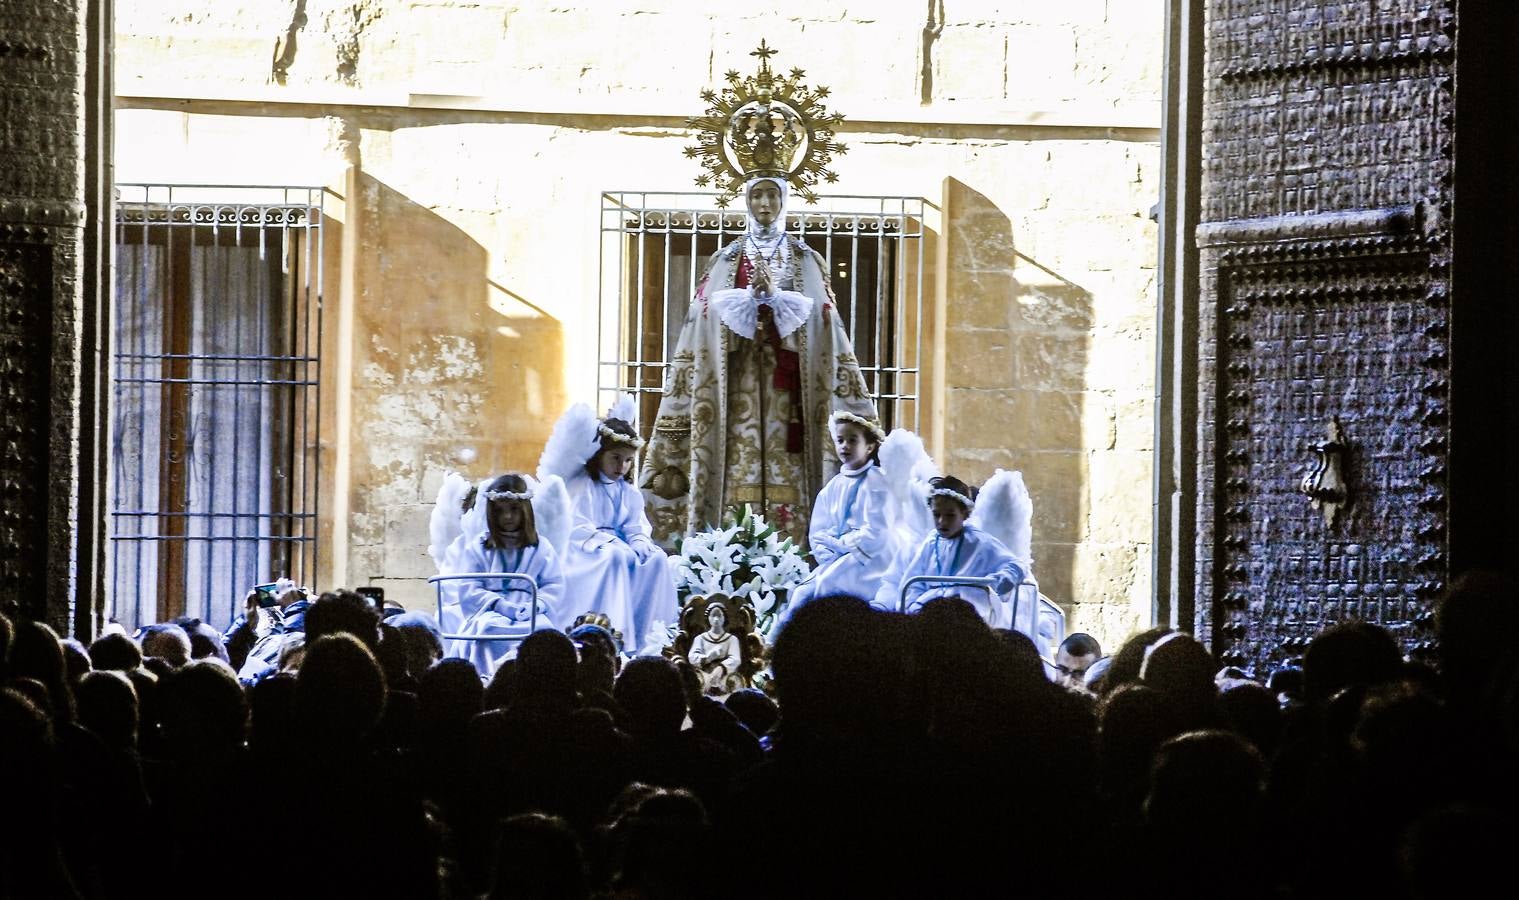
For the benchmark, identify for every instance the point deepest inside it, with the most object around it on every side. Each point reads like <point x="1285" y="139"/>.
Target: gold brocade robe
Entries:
<point x="721" y="436"/>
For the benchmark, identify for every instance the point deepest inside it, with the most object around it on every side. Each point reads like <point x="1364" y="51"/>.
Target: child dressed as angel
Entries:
<point x="611" y="565"/>
<point x="849" y="532"/>
<point x="959" y="548"/>
<point x="500" y="534"/>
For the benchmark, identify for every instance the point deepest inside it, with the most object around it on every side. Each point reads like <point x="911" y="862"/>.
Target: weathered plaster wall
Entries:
<point x="476" y="138"/>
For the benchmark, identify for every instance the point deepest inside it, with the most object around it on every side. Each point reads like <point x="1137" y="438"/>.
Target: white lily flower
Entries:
<point x="710" y="582"/>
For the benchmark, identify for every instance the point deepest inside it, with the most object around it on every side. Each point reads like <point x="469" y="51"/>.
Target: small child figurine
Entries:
<point x="959" y="548"/>
<point x="502" y="539"/>
<point x="849" y="531"/>
<point x="716" y="653"/>
<point x="611" y="565"/>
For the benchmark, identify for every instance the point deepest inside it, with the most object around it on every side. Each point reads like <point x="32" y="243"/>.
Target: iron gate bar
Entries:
<point x="212" y="539"/>
<point x="277" y="512"/>
<point x="631" y="219"/>
<point x="216" y="515"/>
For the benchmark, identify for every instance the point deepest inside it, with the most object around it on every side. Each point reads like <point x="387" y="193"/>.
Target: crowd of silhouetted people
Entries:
<point x="922" y="755"/>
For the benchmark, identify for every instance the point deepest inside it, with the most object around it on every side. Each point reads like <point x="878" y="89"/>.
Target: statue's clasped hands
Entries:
<point x="760" y="281"/>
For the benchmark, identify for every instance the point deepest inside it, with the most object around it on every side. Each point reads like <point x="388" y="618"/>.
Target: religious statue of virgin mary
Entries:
<point x="763" y="359"/>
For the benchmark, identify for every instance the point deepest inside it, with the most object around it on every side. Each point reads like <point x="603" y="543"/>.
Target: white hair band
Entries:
<point x="617" y="437"/>
<point x="874" y="429"/>
<point x="953" y="495"/>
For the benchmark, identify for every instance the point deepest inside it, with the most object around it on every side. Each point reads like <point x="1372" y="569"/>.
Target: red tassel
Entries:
<point x="788" y="370"/>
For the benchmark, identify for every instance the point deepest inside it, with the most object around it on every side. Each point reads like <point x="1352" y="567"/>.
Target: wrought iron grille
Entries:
<point x="654" y="248"/>
<point x="216" y="330"/>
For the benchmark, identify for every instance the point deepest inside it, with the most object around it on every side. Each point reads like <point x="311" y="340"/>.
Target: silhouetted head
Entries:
<point x="652" y="698"/>
<point x="539" y="856"/>
<point x="449" y="695"/>
<point x="205" y="713"/>
<point x="1017" y="657"/>
<point x="36" y="653"/>
<point x="1475" y="621"/>
<point x="424" y="641"/>
<point x="344" y="612"/>
<point x="1202" y="778"/>
<point x="545" y="669"/>
<point x="1252" y="712"/>
<point x="652" y="845"/>
<point x="1130" y="658"/>
<point x="756" y="711"/>
<point x="1403" y="729"/>
<point x="599" y="660"/>
<point x="108" y="707"/>
<point x="1132" y="721"/>
<point x="391" y="654"/>
<point x="340" y="691"/>
<point x="166" y="641"/>
<point x="115" y="652"/>
<point x="841" y="669"/>
<point x="1349" y="654"/>
<point x="1456" y="851"/>
<point x="276" y="730"/>
<point x="76" y="659"/>
<point x="205" y="641"/>
<point x="27" y="759"/>
<point x="1180" y="667"/>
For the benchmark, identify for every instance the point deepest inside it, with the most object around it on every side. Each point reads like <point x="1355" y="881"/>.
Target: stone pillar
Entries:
<point x="46" y="311"/>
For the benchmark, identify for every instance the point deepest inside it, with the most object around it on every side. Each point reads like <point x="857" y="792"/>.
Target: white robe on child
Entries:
<point x="611" y="565"/>
<point x="492" y="607"/>
<point x="974" y="553"/>
<point x="850" y="537"/>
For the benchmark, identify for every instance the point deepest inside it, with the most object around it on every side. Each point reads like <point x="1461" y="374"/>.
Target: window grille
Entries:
<point x="216" y="330"/>
<point x="654" y="247"/>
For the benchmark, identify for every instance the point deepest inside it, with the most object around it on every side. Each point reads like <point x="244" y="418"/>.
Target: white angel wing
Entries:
<point x="552" y="513"/>
<point x="626" y="409"/>
<point x="573" y="442"/>
<point x="446" y="514"/>
<point x="471" y="526"/>
<point x="1005" y="511"/>
<point x="908" y="467"/>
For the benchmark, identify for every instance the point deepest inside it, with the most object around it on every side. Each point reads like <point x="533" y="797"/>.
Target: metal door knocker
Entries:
<point x="1325" y="484"/>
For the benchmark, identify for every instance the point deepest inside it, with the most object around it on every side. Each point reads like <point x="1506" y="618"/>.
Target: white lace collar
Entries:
<point x="739" y="310"/>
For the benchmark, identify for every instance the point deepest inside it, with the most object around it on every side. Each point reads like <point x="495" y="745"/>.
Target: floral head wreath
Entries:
<point x="870" y="425"/>
<point x="967" y="502"/>
<point x="617" y="437"/>
<point x="509" y="495"/>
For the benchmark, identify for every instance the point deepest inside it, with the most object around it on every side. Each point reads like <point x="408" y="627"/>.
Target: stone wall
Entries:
<point x="42" y="213"/>
<point x="470" y="143"/>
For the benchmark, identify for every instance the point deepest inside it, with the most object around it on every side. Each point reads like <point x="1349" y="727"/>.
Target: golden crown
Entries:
<point x="765" y="126"/>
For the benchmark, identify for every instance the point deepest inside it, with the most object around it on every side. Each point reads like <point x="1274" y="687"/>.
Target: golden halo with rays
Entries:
<point x="765" y="125"/>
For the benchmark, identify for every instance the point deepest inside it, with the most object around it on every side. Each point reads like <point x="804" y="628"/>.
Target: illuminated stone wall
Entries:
<point x="467" y="145"/>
